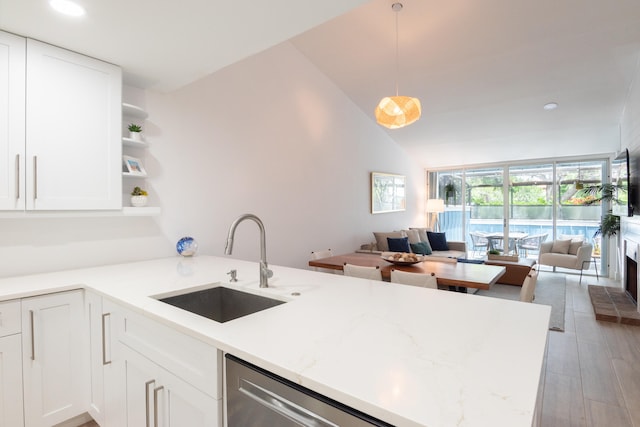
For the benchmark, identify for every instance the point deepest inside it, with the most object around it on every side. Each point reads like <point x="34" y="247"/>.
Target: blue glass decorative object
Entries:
<point x="187" y="246"/>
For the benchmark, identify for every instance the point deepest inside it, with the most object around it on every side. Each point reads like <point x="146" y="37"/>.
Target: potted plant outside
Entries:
<point x="139" y="197"/>
<point x="610" y="223"/>
<point x="450" y="193"/>
<point x="135" y="132"/>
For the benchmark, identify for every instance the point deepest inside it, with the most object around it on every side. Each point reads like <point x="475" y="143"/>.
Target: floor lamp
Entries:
<point x="434" y="207"/>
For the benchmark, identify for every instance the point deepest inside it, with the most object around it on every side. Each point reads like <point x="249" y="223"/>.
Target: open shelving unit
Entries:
<point x="132" y="146"/>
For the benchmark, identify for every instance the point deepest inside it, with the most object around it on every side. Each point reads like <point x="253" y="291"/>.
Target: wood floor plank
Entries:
<point x="562" y="404"/>
<point x="588" y="329"/>
<point x="629" y="378"/>
<point x="580" y="297"/>
<point x="562" y="354"/>
<point x="604" y="415"/>
<point x="599" y="381"/>
<point x="623" y="341"/>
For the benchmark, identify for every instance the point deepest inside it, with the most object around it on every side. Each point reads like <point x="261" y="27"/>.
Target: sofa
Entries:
<point x="415" y="235"/>
<point x="573" y="254"/>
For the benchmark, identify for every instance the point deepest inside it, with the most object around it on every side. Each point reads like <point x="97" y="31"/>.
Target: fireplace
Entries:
<point x="631" y="268"/>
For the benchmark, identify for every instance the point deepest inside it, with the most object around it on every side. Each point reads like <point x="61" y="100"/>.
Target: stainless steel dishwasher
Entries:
<point x="256" y="397"/>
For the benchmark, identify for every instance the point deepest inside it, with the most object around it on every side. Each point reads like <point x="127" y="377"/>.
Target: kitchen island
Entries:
<point x="406" y="355"/>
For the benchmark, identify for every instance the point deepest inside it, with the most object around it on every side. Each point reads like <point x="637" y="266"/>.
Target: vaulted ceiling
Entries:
<point x="482" y="69"/>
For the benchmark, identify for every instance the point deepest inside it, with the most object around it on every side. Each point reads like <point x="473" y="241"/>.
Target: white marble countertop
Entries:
<point x="407" y="355"/>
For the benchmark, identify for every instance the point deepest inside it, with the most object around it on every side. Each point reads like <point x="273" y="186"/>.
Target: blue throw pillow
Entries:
<point x="421" y="248"/>
<point x="438" y="241"/>
<point x="399" y="244"/>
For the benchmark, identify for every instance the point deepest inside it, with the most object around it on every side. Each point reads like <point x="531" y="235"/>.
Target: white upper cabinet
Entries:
<point x="12" y="106"/>
<point x="73" y="123"/>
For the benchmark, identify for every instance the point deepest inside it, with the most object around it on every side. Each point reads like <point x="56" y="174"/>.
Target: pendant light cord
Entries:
<point x="397" y="10"/>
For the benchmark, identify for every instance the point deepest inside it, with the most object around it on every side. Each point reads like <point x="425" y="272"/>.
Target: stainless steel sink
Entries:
<point x="221" y="304"/>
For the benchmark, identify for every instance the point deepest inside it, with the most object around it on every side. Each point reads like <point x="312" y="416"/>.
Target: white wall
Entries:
<point x="270" y="135"/>
<point x="630" y="123"/>
<point x="274" y="137"/>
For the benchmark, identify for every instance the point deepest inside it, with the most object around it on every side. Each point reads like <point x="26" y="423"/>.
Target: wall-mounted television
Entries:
<point x="621" y="176"/>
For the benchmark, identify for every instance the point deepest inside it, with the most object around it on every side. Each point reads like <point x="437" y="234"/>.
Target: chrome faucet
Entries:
<point x="265" y="273"/>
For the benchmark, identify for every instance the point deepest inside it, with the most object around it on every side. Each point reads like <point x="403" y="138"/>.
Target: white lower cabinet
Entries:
<point x="54" y="358"/>
<point x="156" y="397"/>
<point x="98" y="318"/>
<point x="154" y="375"/>
<point x="11" y="413"/>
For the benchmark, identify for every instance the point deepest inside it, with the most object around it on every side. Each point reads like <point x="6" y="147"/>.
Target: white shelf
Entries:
<point x="130" y="175"/>
<point x="143" y="211"/>
<point x="134" y="111"/>
<point x="125" y="211"/>
<point x="128" y="142"/>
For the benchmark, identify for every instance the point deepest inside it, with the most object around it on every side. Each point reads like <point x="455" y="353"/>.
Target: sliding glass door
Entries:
<point x="514" y="208"/>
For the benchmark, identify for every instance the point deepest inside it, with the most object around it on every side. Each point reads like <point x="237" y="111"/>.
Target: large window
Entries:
<point x="539" y="201"/>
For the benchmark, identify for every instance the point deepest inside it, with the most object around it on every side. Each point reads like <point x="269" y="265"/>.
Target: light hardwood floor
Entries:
<point x="592" y="369"/>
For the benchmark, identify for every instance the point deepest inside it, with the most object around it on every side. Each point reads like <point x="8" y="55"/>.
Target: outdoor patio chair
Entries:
<point x="497" y="243"/>
<point x="479" y="242"/>
<point x="531" y="243"/>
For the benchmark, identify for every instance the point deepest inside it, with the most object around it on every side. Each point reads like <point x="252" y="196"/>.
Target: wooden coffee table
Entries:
<point x="459" y="274"/>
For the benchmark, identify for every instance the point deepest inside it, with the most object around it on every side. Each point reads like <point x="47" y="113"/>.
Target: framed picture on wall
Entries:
<point x="132" y="166"/>
<point x="388" y="192"/>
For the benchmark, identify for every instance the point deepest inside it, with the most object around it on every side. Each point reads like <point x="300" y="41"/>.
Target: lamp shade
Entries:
<point x="395" y="112"/>
<point x="435" y="205"/>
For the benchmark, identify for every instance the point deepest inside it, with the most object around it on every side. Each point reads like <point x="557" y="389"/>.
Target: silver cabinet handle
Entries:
<point x="17" y="176"/>
<point x="104" y="341"/>
<point x="284" y="407"/>
<point x="33" y="339"/>
<point x="35" y="177"/>
<point x="155" y="405"/>
<point x="147" y="398"/>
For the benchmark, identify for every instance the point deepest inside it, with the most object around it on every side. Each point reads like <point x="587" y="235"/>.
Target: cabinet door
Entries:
<point x="73" y="148"/>
<point x="12" y="122"/>
<point x="99" y="353"/>
<point x="55" y="361"/>
<point x="156" y="397"/>
<point x="11" y="381"/>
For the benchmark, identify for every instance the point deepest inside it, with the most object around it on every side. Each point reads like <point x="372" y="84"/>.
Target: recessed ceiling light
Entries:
<point x="550" y="106"/>
<point x="67" y="7"/>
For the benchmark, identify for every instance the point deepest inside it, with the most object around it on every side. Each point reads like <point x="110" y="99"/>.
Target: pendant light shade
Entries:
<point x="394" y="112"/>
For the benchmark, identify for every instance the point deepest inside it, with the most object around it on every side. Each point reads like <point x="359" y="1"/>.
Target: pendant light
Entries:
<point x="397" y="111"/>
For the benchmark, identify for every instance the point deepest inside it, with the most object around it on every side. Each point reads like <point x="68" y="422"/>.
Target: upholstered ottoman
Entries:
<point x="516" y="271"/>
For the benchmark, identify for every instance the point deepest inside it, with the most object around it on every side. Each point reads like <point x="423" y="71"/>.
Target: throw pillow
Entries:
<point x="421" y="248"/>
<point x="438" y="241"/>
<point x="422" y="232"/>
<point x="381" y="239"/>
<point x="561" y="246"/>
<point x="400" y="244"/>
<point x="574" y="246"/>
<point x="413" y="235"/>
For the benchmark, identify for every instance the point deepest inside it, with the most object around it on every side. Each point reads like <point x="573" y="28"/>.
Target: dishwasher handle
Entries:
<point x="283" y="406"/>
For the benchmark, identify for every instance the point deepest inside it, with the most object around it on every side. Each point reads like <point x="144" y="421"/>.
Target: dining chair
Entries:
<point x="527" y="293"/>
<point x="371" y="273"/>
<point x="325" y="253"/>
<point x="414" y="279"/>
